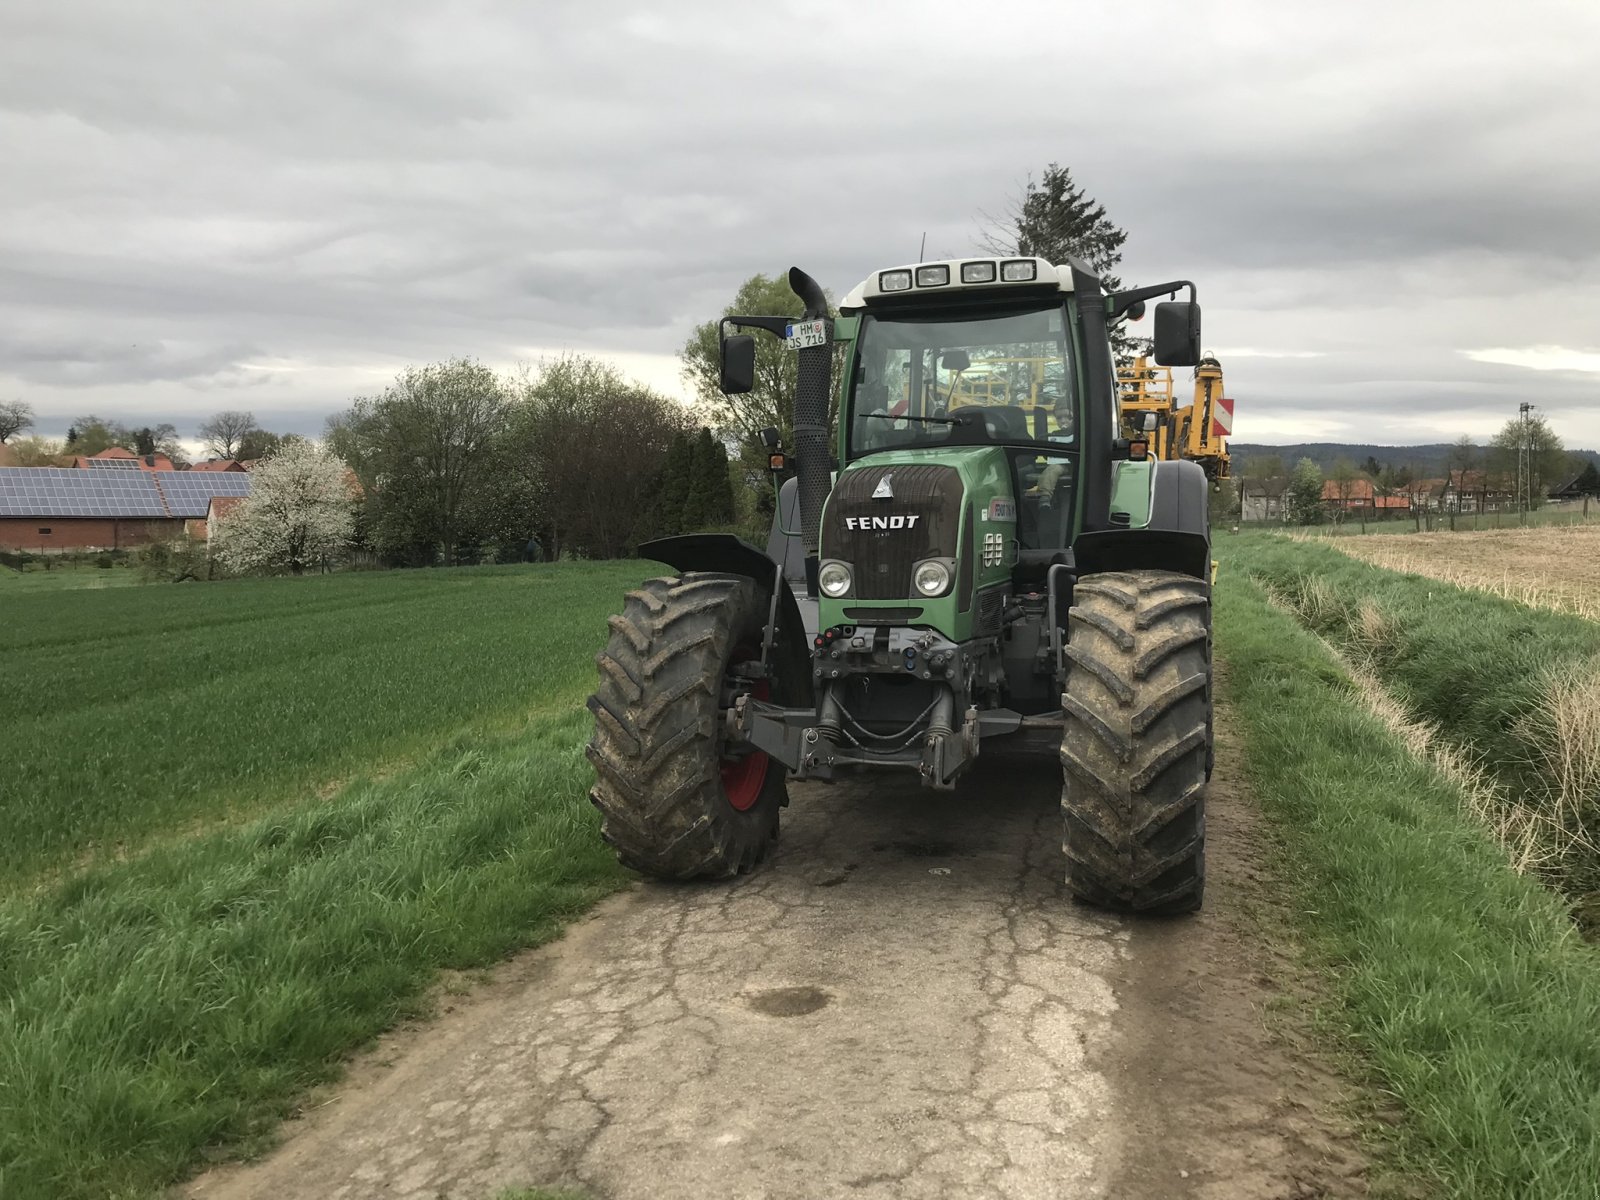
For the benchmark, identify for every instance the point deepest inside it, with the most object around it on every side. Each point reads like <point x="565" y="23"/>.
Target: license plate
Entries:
<point x="801" y="334"/>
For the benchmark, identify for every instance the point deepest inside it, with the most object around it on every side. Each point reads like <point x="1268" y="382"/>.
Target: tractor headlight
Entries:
<point x="834" y="579"/>
<point x="1019" y="270"/>
<point x="932" y="578"/>
<point x="894" y="281"/>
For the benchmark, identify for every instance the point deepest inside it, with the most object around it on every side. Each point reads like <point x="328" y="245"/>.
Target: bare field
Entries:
<point x="1553" y="567"/>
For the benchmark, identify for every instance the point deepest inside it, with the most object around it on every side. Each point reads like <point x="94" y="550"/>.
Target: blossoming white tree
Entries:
<point x="296" y="516"/>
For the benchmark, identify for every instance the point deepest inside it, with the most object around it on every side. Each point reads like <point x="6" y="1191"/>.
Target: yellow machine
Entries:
<point x="1196" y="431"/>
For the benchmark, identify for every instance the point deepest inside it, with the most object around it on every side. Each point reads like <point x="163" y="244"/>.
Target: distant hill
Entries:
<point x="1425" y="460"/>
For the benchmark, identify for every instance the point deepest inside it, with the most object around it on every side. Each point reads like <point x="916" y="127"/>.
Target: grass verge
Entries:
<point x="1461" y="983"/>
<point x="153" y="1010"/>
<point x="1513" y="688"/>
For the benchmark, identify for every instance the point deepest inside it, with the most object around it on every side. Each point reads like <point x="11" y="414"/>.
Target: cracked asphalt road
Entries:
<point x="903" y="1003"/>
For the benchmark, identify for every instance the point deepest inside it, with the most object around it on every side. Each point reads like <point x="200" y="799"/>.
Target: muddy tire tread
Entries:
<point x="1137" y="739"/>
<point x="655" y="744"/>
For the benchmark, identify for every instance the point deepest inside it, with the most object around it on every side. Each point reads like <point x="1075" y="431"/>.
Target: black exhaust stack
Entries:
<point x="1099" y="409"/>
<point x="812" y="460"/>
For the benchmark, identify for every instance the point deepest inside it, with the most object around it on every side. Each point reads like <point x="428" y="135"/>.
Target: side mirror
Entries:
<point x="1177" y="333"/>
<point x="737" y="368"/>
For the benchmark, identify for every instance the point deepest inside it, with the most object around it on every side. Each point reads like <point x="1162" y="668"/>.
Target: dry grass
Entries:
<point x="1531" y="838"/>
<point x="1565" y="729"/>
<point x="1555" y="568"/>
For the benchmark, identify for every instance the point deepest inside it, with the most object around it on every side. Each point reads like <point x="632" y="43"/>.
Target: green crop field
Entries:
<point x="246" y="825"/>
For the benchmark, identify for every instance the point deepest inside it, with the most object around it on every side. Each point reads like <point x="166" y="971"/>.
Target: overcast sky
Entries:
<point x="1392" y="210"/>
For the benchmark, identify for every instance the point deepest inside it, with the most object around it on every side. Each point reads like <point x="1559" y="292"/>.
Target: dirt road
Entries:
<point x="902" y="1004"/>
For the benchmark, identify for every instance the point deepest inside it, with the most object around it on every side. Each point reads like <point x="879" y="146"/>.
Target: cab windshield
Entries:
<point x="930" y="382"/>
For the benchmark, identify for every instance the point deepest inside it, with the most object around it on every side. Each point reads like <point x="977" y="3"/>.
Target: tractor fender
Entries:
<point x="1177" y="538"/>
<point x="730" y="555"/>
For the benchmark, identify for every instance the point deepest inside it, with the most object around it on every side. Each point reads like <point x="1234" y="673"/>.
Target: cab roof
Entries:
<point x="959" y="276"/>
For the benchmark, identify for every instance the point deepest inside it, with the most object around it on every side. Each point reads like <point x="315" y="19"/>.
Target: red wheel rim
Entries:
<point x="744" y="778"/>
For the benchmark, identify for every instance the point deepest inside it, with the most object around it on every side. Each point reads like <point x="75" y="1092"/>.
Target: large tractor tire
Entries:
<point x="677" y="802"/>
<point x="1136" y="742"/>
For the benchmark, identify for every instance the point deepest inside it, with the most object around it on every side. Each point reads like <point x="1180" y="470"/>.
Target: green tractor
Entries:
<point x="979" y="559"/>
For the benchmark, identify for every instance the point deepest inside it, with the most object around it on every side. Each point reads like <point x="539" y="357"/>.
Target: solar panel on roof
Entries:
<point x="62" y="492"/>
<point x="120" y="463"/>
<point x="189" y="493"/>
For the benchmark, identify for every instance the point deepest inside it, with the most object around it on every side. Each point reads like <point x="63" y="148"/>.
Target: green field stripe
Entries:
<point x="184" y="728"/>
<point x="1463" y="985"/>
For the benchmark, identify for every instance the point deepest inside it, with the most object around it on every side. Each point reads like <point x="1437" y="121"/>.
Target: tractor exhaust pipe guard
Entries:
<point x="813" y="476"/>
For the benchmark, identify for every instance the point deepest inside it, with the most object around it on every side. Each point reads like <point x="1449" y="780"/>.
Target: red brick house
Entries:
<point x="108" y="508"/>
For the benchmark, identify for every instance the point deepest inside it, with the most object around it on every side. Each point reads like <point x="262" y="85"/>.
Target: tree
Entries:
<point x="709" y="501"/>
<point x="1372" y="468"/>
<point x="598" y="443"/>
<point x="225" y="432"/>
<point x="15" y="416"/>
<point x="254" y="444"/>
<point x="1304" y="495"/>
<point x="1528" y="451"/>
<point x="90" y="435"/>
<point x="39" y="452"/>
<point x="1057" y="220"/>
<point x="420" y="451"/>
<point x="297" y="516"/>
<point x="674" y="490"/>
<point x="1459" y="461"/>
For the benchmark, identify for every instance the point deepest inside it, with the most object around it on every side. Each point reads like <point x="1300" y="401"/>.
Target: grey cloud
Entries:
<point x="350" y="186"/>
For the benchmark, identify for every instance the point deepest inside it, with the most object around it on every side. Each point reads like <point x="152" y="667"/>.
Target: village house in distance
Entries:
<point x="114" y="500"/>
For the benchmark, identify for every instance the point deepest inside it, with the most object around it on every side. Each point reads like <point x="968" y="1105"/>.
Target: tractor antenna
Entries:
<point x="922" y="249"/>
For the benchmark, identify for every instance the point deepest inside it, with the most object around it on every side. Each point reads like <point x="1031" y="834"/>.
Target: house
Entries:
<point x="1261" y="499"/>
<point x="1362" y="495"/>
<point x="107" y="508"/>
<point x="118" y="458"/>
<point x="228" y="465"/>
<point x="1577" y="484"/>
<point x="201" y="529"/>
<point x="1473" y="491"/>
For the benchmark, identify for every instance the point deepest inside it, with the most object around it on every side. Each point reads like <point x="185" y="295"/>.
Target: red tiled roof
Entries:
<point x="1355" y="489"/>
<point x="218" y="464"/>
<point x="147" y="462"/>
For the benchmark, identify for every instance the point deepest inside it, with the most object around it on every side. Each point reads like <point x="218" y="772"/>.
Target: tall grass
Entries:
<point x="145" y="711"/>
<point x="1462" y="984"/>
<point x="246" y="824"/>
<point x="1510" y="687"/>
<point x="155" y="1008"/>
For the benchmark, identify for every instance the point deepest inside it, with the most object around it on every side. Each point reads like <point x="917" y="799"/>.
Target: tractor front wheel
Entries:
<point x="1137" y="739"/>
<point x="676" y="801"/>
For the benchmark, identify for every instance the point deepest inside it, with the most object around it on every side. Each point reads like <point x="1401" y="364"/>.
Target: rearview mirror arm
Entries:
<point x="1120" y="302"/>
<point x="777" y="326"/>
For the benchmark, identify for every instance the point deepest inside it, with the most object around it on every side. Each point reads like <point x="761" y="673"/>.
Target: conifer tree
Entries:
<point x="675" y="476"/>
<point x="697" y="505"/>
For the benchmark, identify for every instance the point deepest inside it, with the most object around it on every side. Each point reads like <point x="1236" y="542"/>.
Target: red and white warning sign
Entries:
<point x="1222" y="418"/>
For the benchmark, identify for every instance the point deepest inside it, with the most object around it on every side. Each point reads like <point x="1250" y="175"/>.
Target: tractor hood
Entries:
<point x="890" y="514"/>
